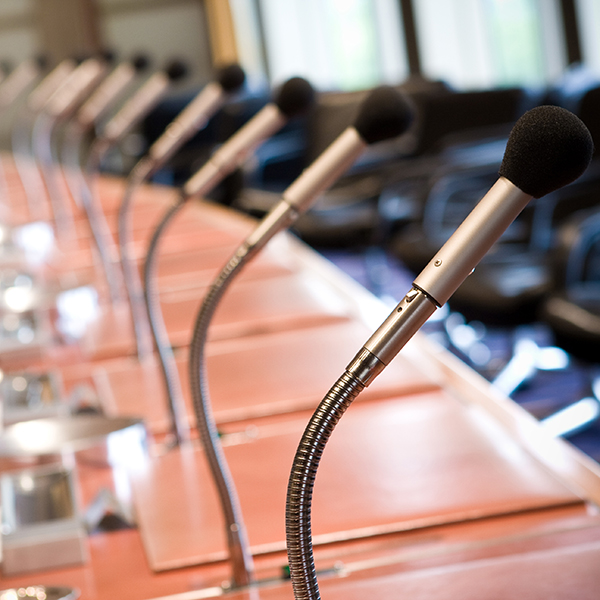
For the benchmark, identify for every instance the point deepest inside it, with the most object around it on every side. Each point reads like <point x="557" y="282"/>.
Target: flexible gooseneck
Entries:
<point x="133" y="283"/>
<point x="302" y="481"/>
<point x="21" y="135"/>
<point x="134" y="109"/>
<point x="60" y="106"/>
<point x="80" y="179"/>
<point x="235" y="530"/>
<point x="193" y="118"/>
<point x="11" y="89"/>
<point x="548" y="148"/>
<point x="159" y="331"/>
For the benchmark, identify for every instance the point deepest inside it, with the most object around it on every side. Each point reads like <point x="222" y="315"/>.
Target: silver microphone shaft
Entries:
<point x="136" y="108"/>
<point x="432" y="288"/>
<point x="193" y="117"/>
<point x="233" y="152"/>
<point x="314" y="180"/>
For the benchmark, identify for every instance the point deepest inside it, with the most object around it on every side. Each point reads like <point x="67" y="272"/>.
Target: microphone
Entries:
<point x="141" y="103"/>
<point x="49" y="84"/>
<point x="109" y="91"/>
<point x="383" y="115"/>
<point x="20" y="79"/>
<point x="548" y="148"/>
<point x="76" y="88"/>
<point x="294" y="97"/>
<point x="61" y="105"/>
<point x="106" y="94"/>
<point x="21" y="141"/>
<point x="195" y="115"/>
<point x="135" y="109"/>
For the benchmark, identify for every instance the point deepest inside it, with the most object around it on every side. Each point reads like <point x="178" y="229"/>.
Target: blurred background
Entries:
<point x="529" y="317"/>
<point x="339" y="45"/>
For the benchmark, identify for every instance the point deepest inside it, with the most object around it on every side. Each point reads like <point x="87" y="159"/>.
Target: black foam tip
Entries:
<point x="295" y="96"/>
<point x="140" y="62"/>
<point x="231" y="77"/>
<point x="384" y="114"/>
<point x="42" y="61"/>
<point x="549" y="147"/>
<point x="176" y="70"/>
<point x="81" y="57"/>
<point x="6" y="66"/>
<point x="108" y="56"/>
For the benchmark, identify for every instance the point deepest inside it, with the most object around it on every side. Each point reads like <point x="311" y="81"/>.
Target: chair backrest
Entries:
<point x="331" y="114"/>
<point x="453" y="196"/>
<point x="463" y="116"/>
<point x="577" y="256"/>
<point x="589" y="113"/>
<point x="334" y="111"/>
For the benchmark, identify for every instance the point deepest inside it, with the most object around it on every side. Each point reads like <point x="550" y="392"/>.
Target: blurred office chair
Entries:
<point x="509" y="285"/>
<point x="573" y="309"/>
<point x="459" y="144"/>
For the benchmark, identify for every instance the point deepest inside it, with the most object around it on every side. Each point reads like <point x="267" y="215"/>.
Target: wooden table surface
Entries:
<point x="433" y="485"/>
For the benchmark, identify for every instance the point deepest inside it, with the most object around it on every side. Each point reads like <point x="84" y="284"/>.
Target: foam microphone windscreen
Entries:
<point x="549" y="147"/>
<point x="384" y="114"/>
<point x="140" y="62"/>
<point x="108" y="56"/>
<point x="42" y="62"/>
<point x="176" y="70"/>
<point x="231" y="77"/>
<point x="295" y="96"/>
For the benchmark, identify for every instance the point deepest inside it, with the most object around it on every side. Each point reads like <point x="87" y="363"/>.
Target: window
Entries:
<point x="335" y="44"/>
<point x="167" y="31"/>
<point x="18" y="35"/>
<point x="588" y="17"/>
<point x="490" y="43"/>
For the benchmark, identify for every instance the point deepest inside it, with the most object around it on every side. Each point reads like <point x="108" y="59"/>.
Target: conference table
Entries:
<point x="433" y="485"/>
